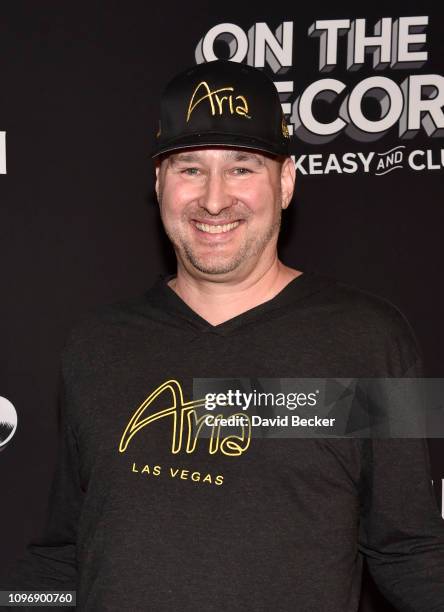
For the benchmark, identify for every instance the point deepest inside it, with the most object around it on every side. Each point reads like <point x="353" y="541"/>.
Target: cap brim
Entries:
<point x="230" y="140"/>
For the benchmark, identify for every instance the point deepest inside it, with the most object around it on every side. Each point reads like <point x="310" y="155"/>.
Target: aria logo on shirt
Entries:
<point x="186" y="424"/>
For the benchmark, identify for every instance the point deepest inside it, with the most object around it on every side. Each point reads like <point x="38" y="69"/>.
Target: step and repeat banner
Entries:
<point x="362" y="89"/>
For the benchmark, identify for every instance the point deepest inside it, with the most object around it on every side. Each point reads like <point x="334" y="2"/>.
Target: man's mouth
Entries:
<point x="216" y="229"/>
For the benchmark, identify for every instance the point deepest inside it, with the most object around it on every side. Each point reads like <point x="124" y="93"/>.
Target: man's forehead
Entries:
<point x="200" y="155"/>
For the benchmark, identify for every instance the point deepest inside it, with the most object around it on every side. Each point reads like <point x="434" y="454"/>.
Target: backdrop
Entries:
<point x="363" y="92"/>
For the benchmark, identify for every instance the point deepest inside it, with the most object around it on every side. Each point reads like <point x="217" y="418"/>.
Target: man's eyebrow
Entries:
<point x="183" y="157"/>
<point x="231" y="155"/>
<point x="245" y="156"/>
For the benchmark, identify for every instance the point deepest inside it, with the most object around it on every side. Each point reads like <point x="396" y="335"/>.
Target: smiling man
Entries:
<point x="221" y="209"/>
<point x="147" y="514"/>
<point x="220" y="206"/>
<point x="238" y="226"/>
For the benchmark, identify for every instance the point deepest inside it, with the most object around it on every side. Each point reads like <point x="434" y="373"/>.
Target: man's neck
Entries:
<point x="217" y="302"/>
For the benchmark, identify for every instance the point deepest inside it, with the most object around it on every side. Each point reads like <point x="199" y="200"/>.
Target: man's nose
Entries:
<point x="216" y="196"/>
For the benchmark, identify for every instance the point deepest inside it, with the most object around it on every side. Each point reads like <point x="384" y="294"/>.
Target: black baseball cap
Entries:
<point x="222" y="103"/>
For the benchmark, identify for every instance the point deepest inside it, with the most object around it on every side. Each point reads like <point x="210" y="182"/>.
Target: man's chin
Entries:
<point x="215" y="269"/>
<point x="212" y="267"/>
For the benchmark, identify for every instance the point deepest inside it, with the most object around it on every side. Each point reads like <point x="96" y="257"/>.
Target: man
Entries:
<point x="147" y="514"/>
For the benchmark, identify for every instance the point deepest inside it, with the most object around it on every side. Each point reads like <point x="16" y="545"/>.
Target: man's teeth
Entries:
<point x="216" y="229"/>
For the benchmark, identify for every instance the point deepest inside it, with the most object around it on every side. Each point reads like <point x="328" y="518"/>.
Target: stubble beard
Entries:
<point x="252" y="248"/>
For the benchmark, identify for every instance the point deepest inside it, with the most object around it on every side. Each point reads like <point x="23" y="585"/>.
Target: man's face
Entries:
<point x="221" y="207"/>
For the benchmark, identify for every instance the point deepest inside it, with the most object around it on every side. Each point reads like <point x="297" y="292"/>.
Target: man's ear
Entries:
<point x="288" y="179"/>
<point x="157" y="168"/>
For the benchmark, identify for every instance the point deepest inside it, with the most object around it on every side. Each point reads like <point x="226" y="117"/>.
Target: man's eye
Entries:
<point x="191" y="171"/>
<point x="241" y="171"/>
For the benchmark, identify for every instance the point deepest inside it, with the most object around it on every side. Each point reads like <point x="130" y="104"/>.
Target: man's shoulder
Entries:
<point x="105" y="315"/>
<point x="361" y="306"/>
<point x="100" y="326"/>
<point x="357" y="317"/>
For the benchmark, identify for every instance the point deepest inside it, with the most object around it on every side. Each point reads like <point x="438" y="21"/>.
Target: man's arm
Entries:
<point x="401" y="530"/>
<point x="50" y="562"/>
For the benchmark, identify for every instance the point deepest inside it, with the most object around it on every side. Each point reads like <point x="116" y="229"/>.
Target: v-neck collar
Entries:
<point x="297" y="288"/>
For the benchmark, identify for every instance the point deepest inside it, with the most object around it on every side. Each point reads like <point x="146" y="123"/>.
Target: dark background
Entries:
<point x="79" y="227"/>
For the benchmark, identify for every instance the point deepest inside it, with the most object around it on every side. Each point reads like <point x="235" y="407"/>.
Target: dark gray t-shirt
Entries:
<point x="139" y="520"/>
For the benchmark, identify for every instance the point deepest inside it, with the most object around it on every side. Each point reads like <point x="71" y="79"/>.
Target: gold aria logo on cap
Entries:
<point x="159" y="131"/>
<point x="218" y="104"/>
